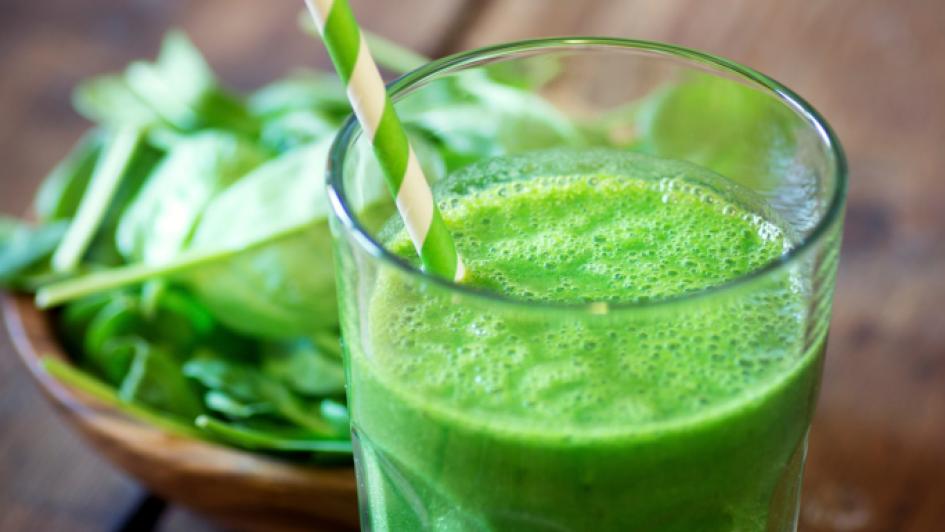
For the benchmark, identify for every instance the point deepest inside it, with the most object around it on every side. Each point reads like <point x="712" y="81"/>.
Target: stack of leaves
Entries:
<point x="184" y="240"/>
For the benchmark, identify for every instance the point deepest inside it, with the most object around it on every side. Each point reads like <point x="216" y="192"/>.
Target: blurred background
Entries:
<point x="872" y="67"/>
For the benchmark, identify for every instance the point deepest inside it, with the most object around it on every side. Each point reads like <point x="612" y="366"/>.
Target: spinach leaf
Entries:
<point x="155" y="379"/>
<point x="269" y="438"/>
<point x="9" y="227"/>
<point x="245" y="384"/>
<point x="300" y="109"/>
<point x="296" y="128"/>
<point x="286" y="286"/>
<point x="470" y="117"/>
<point x="23" y="248"/>
<point x="109" y="101"/>
<point x="529" y="75"/>
<point x="336" y="414"/>
<point x="304" y="90"/>
<point x="232" y="408"/>
<point x="182" y="89"/>
<point x="109" y="344"/>
<point x="103" y="250"/>
<point x="104" y="184"/>
<point x="75" y="318"/>
<point x="110" y="331"/>
<point x="260" y="255"/>
<point x="156" y="226"/>
<point x="305" y="369"/>
<point x="177" y="90"/>
<point x="175" y="314"/>
<point x="723" y="125"/>
<point x="84" y="382"/>
<point x="59" y="196"/>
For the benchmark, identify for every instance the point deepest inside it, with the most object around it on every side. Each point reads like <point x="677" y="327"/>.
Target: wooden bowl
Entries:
<point x="234" y="488"/>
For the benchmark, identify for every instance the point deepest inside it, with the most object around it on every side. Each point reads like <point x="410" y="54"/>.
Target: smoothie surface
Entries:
<point x="631" y="233"/>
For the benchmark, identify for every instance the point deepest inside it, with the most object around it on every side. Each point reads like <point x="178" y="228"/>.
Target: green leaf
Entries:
<point x="74" y="320"/>
<point x="9" y="227"/>
<point x="96" y="282"/>
<point x="305" y="369"/>
<point x="286" y="286"/>
<point x="266" y="440"/>
<point x="281" y="194"/>
<point x="732" y="129"/>
<point x="173" y="313"/>
<point x="300" y="109"/>
<point x="472" y="117"/>
<point x="260" y="256"/>
<point x="529" y="75"/>
<point x="110" y="330"/>
<point x="109" y="101"/>
<point x="182" y="88"/>
<point x="80" y="380"/>
<point x="267" y="271"/>
<point x="156" y="226"/>
<point x="233" y="408"/>
<point x="247" y="384"/>
<point x="304" y="90"/>
<point x="104" y="184"/>
<point x="283" y="288"/>
<point x="178" y="90"/>
<point x="59" y="195"/>
<point x="103" y="348"/>
<point x="328" y="342"/>
<point x="103" y="251"/>
<point x="296" y="128"/>
<point x="175" y="83"/>
<point x="23" y="249"/>
<point x="155" y="379"/>
<point x="336" y="414"/>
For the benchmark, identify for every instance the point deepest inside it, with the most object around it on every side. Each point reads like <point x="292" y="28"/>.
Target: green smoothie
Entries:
<point x="584" y="393"/>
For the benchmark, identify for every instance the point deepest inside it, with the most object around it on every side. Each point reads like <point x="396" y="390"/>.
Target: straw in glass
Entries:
<point x="349" y="52"/>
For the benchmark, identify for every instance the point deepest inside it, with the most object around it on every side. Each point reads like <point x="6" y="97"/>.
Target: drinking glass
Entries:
<point x="435" y="460"/>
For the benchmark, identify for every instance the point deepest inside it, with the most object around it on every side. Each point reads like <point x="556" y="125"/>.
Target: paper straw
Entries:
<point x="349" y="52"/>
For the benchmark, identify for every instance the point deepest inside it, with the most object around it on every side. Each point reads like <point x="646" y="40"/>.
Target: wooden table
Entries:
<point x="875" y="68"/>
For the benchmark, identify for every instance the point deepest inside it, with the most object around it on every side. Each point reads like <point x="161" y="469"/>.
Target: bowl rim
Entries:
<point x="32" y="336"/>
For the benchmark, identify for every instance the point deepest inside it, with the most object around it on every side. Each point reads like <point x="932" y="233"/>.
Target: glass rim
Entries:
<point x="343" y="140"/>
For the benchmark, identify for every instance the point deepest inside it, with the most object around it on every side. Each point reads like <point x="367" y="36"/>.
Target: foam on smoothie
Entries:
<point x="635" y="229"/>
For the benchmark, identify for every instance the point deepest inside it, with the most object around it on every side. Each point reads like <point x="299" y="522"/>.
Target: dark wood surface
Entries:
<point x="873" y="67"/>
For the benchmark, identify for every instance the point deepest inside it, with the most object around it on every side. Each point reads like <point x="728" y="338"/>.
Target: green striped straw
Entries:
<point x="349" y="52"/>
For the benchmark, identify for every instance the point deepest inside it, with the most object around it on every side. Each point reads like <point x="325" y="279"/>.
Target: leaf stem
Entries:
<point x="80" y="380"/>
<point x="110" y="279"/>
<point x="105" y="180"/>
<point x="294" y="412"/>
<point x="256" y="440"/>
